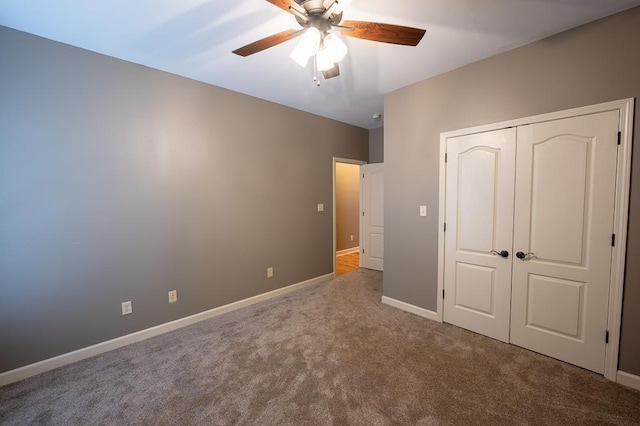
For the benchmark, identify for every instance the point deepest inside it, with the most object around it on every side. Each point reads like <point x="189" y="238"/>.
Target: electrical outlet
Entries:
<point x="423" y="211"/>
<point x="127" y="308"/>
<point x="320" y="207"/>
<point x="270" y="272"/>
<point x="352" y="238"/>
<point x="173" y="296"/>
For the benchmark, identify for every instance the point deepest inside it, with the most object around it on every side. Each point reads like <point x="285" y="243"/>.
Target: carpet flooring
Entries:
<point x="331" y="354"/>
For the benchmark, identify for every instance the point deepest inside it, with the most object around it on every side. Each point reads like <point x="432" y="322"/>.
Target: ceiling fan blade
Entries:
<point x="267" y="42"/>
<point x="386" y="33"/>
<point x="332" y="72"/>
<point x="282" y="4"/>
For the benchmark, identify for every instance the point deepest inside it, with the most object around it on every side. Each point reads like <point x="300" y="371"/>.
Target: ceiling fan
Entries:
<point x="319" y="19"/>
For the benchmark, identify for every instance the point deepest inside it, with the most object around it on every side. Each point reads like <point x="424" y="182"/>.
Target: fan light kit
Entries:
<point x="319" y="18"/>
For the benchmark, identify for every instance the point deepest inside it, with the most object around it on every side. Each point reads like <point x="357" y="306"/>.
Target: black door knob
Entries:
<point x="520" y="255"/>
<point x="504" y="253"/>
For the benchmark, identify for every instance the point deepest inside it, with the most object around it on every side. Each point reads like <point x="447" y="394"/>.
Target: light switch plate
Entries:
<point x="423" y="211"/>
<point x="320" y="207"/>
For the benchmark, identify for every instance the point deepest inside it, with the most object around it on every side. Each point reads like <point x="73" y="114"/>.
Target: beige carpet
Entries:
<point x="328" y="355"/>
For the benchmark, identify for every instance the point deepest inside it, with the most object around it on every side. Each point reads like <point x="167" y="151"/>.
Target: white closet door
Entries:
<point x="373" y="216"/>
<point x="563" y="222"/>
<point x="479" y="218"/>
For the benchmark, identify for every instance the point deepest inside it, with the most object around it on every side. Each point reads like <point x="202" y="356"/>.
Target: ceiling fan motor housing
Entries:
<point x="319" y="22"/>
<point x="312" y="6"/>
<point x="315" y="15"/>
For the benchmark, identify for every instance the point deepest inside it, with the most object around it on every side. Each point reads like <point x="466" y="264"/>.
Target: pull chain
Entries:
<point x="316" y="78"/>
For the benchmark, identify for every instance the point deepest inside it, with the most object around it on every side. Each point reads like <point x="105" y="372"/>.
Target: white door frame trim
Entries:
<point x="621" y="210"/>
<point x="335" y="243"/>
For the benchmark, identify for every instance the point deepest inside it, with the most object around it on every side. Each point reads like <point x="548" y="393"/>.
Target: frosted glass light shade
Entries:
<point x="307" y="46"/>
<point x="336" y="49"/>
<point x="324" y="60"/>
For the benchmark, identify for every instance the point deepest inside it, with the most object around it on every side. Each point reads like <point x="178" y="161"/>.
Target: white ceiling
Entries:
<point x="194" y="38"/>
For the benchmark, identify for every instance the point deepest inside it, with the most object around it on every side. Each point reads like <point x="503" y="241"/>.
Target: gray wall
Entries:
<point x="347" y="206"/>
<point x="595" y="63"/>
<point x="376" y="145"/>
<point x="118" y="182"/>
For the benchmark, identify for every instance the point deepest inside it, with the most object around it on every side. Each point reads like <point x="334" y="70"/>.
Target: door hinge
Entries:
<point x="445" y="227"/>
<point x="445" y="157"/>
<point x="362" y="213"/>
<point x="619" y="138"/>
<point x="363" y="176"/>
<point x="362" y="251"/>
<point x="606" y="337"/>
<point x="443" y="293"/>
<point x="613" y="240"/>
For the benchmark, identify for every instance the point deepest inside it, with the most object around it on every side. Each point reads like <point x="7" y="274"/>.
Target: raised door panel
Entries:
<point x="475" y="289"/>
<point x="559" y="189"/>
<point x="556" y="305"/>
<point x="477" y="192"/>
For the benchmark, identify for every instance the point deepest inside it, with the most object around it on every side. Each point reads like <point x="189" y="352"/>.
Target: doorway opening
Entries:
<point x="347" y="227"/>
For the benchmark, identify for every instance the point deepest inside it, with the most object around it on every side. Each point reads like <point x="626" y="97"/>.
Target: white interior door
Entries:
<point x="373" y="216"/>
<point x="479" y="220"/>
<point x="564" y="209"/>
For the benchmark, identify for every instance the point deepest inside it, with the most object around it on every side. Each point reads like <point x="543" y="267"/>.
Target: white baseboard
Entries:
<point x="83" y="353"/>
<point x="425" y="313"/>
<point x="627" y="379"/>
<point x="347" y="251"/>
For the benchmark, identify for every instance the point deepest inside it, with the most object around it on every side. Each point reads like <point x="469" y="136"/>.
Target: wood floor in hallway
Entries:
<point x="347" y="263"/>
